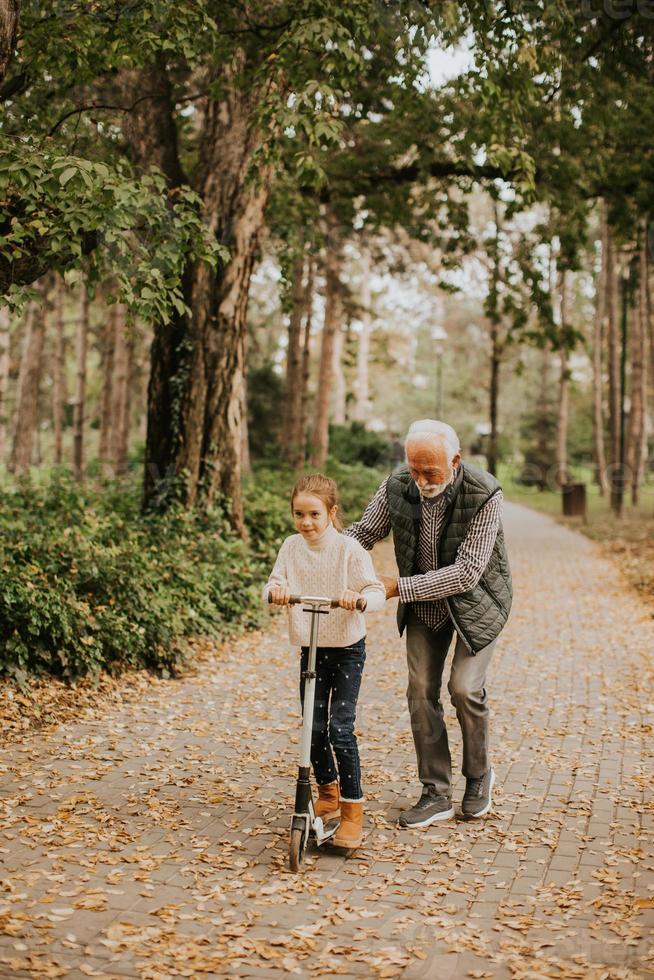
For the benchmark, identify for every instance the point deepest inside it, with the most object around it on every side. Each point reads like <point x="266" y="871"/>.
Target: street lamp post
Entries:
<point x="439" y="336"/>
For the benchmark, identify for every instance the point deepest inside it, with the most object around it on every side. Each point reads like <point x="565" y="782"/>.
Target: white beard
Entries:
<point x="434" y="491"/>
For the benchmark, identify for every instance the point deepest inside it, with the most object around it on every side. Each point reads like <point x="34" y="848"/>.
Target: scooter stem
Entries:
<point x="309" y="691"/>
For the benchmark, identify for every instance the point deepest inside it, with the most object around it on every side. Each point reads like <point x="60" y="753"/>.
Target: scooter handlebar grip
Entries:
<point x="361" y="604"/>
<point x="295" y="600"/>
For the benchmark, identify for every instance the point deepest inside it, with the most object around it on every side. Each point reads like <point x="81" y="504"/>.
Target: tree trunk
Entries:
<point x="29" y="380"/>
<point x="494" y="399"/>
<point x="195" y="404"/>
<point x="598" y="349"/>
<point x="562" y="475"/>
<point x="246" y="459"/>
<point x="80" y="390"/>
<point x="636" y="428"/>
<point x="109" y="333"/>
<point x="293" y="440"/>
<point x="362" y="394"/>
<point x="212" y="451"/>
<point x="339" y="410"/>
<point x="648" y="327"/>
<point x="306" y="358"/>
<point x="625" y="302"/>
<point x="543" y="441"/>
<point x="58" y="385"/>
<point x="9" y="14"/>
<point x="648" y="374"/>
<point x="150" y="126"/>
<point x="5" y="325"/>
<point x="496" y="349"/>
<point x="332" y="323"/>
<point x="614" y="375"/>
<point x="123" y="361"/>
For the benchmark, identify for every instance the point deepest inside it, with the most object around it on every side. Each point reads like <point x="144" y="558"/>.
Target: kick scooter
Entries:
<point x="305" y="825"/>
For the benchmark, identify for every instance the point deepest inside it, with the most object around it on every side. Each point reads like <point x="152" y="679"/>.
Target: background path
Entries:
<point x="151" y="841"/>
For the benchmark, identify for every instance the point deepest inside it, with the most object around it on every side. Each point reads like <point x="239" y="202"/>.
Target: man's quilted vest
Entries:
<point x="479" y="614"/>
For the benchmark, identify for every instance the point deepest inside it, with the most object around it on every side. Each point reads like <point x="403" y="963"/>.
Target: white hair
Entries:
<point x="428" y="430"/>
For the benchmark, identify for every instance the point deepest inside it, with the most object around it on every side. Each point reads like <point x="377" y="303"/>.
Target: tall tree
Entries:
<point x="58" y="374"/>
<point x="613" y="347"/>
<point x="5" y="324"/>
<point x="362" y="388"/>
<point x="292" y="435"/>
<point x="496" y="345"/>
<point x="635" y="438"/>
<point x="79" y="408"/>
<point x="194" y="420"/>
<point x="562" y="279"/>
<point x="246" y="460"/>
<point x="9" y="11"/>
<point x="339" y="387"/>
<point x="107" y="417"/>
<point x="332" y="323"/>
<point x="598" y="359"/>
<point x="122" y="363"/>
<point x="306" y="356"/>
<point x="29" y="383"/>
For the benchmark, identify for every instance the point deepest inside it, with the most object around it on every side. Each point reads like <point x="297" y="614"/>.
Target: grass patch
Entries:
<point x="629" y="540"/>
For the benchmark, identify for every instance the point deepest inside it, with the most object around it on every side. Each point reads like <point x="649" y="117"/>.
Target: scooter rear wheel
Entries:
<point x="297" y="848"/>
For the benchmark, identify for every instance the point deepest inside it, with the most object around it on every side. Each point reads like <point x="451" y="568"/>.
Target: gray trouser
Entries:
<point x="426" y="652"/>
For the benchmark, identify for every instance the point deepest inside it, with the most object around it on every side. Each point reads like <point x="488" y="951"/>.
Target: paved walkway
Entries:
<point x="151" y="841"/>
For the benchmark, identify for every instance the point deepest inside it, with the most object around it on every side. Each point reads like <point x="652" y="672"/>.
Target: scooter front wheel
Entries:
<point x="297" y="848"/>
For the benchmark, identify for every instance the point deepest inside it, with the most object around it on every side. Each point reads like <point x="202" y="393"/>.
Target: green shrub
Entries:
<point x="87" y="583"/>
<point x="268" y="513"/>
<point x="355" y="444"/>
<point x="357" y="484"/>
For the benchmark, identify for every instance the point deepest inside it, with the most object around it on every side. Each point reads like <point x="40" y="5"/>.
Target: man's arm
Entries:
<point x="375" y="524"/>
<point x="471" y="560"/>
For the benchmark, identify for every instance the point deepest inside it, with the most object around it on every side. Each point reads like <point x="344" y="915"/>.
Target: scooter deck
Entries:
<point x="318" y="832"/>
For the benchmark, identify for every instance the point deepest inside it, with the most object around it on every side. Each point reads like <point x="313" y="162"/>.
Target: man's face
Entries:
<point x="430" y="467"/>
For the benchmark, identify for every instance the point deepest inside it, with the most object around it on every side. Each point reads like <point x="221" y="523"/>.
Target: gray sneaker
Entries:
<point x="430" y="807"/>
<point x="477" y="799"/>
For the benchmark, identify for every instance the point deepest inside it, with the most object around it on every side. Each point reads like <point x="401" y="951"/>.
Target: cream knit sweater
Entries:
<point x="326" y="567"/>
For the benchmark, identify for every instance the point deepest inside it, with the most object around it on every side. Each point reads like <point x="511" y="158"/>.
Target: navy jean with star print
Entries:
<point x="338" y="679"/>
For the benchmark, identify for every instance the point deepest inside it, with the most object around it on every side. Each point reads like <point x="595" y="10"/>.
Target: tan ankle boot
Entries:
<point x="327" y="805"/>
<point x="350" y="832"/>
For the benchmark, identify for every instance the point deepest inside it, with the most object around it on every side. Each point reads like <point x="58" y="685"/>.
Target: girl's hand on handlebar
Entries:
<point x="348" y="599"/>
<point x="279" y="595"/>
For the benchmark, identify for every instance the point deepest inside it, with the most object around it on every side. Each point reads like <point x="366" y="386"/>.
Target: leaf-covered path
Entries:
<point x="150" y="840"/>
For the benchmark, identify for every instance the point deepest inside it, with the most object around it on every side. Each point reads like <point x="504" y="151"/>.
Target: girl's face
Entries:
<point x="311" y="515"/>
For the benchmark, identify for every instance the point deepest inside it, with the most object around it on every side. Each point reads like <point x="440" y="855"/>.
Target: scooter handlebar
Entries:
<point x="296" y="600"/>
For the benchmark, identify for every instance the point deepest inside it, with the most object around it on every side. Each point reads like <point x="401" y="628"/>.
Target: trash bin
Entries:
<point x="574" y="500"/>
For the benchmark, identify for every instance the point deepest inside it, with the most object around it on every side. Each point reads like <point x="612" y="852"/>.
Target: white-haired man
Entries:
<point x="445" y="515"/>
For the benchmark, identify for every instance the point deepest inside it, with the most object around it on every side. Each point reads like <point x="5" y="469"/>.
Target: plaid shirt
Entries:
<point x="427" y="591"/>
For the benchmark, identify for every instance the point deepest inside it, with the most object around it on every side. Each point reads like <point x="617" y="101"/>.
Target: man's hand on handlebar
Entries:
<point x="279" y="595"/>
<point x="390" y="584"/>
<point x="348" y="599"/>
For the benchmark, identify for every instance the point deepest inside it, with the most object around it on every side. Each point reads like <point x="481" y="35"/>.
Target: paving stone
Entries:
<point x="506" y="859"/>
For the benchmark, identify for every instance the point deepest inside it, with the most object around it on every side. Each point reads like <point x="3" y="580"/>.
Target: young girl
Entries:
<point x="320" y="561"/>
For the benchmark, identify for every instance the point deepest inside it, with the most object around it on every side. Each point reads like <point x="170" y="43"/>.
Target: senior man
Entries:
<point x="445" y="515"/>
